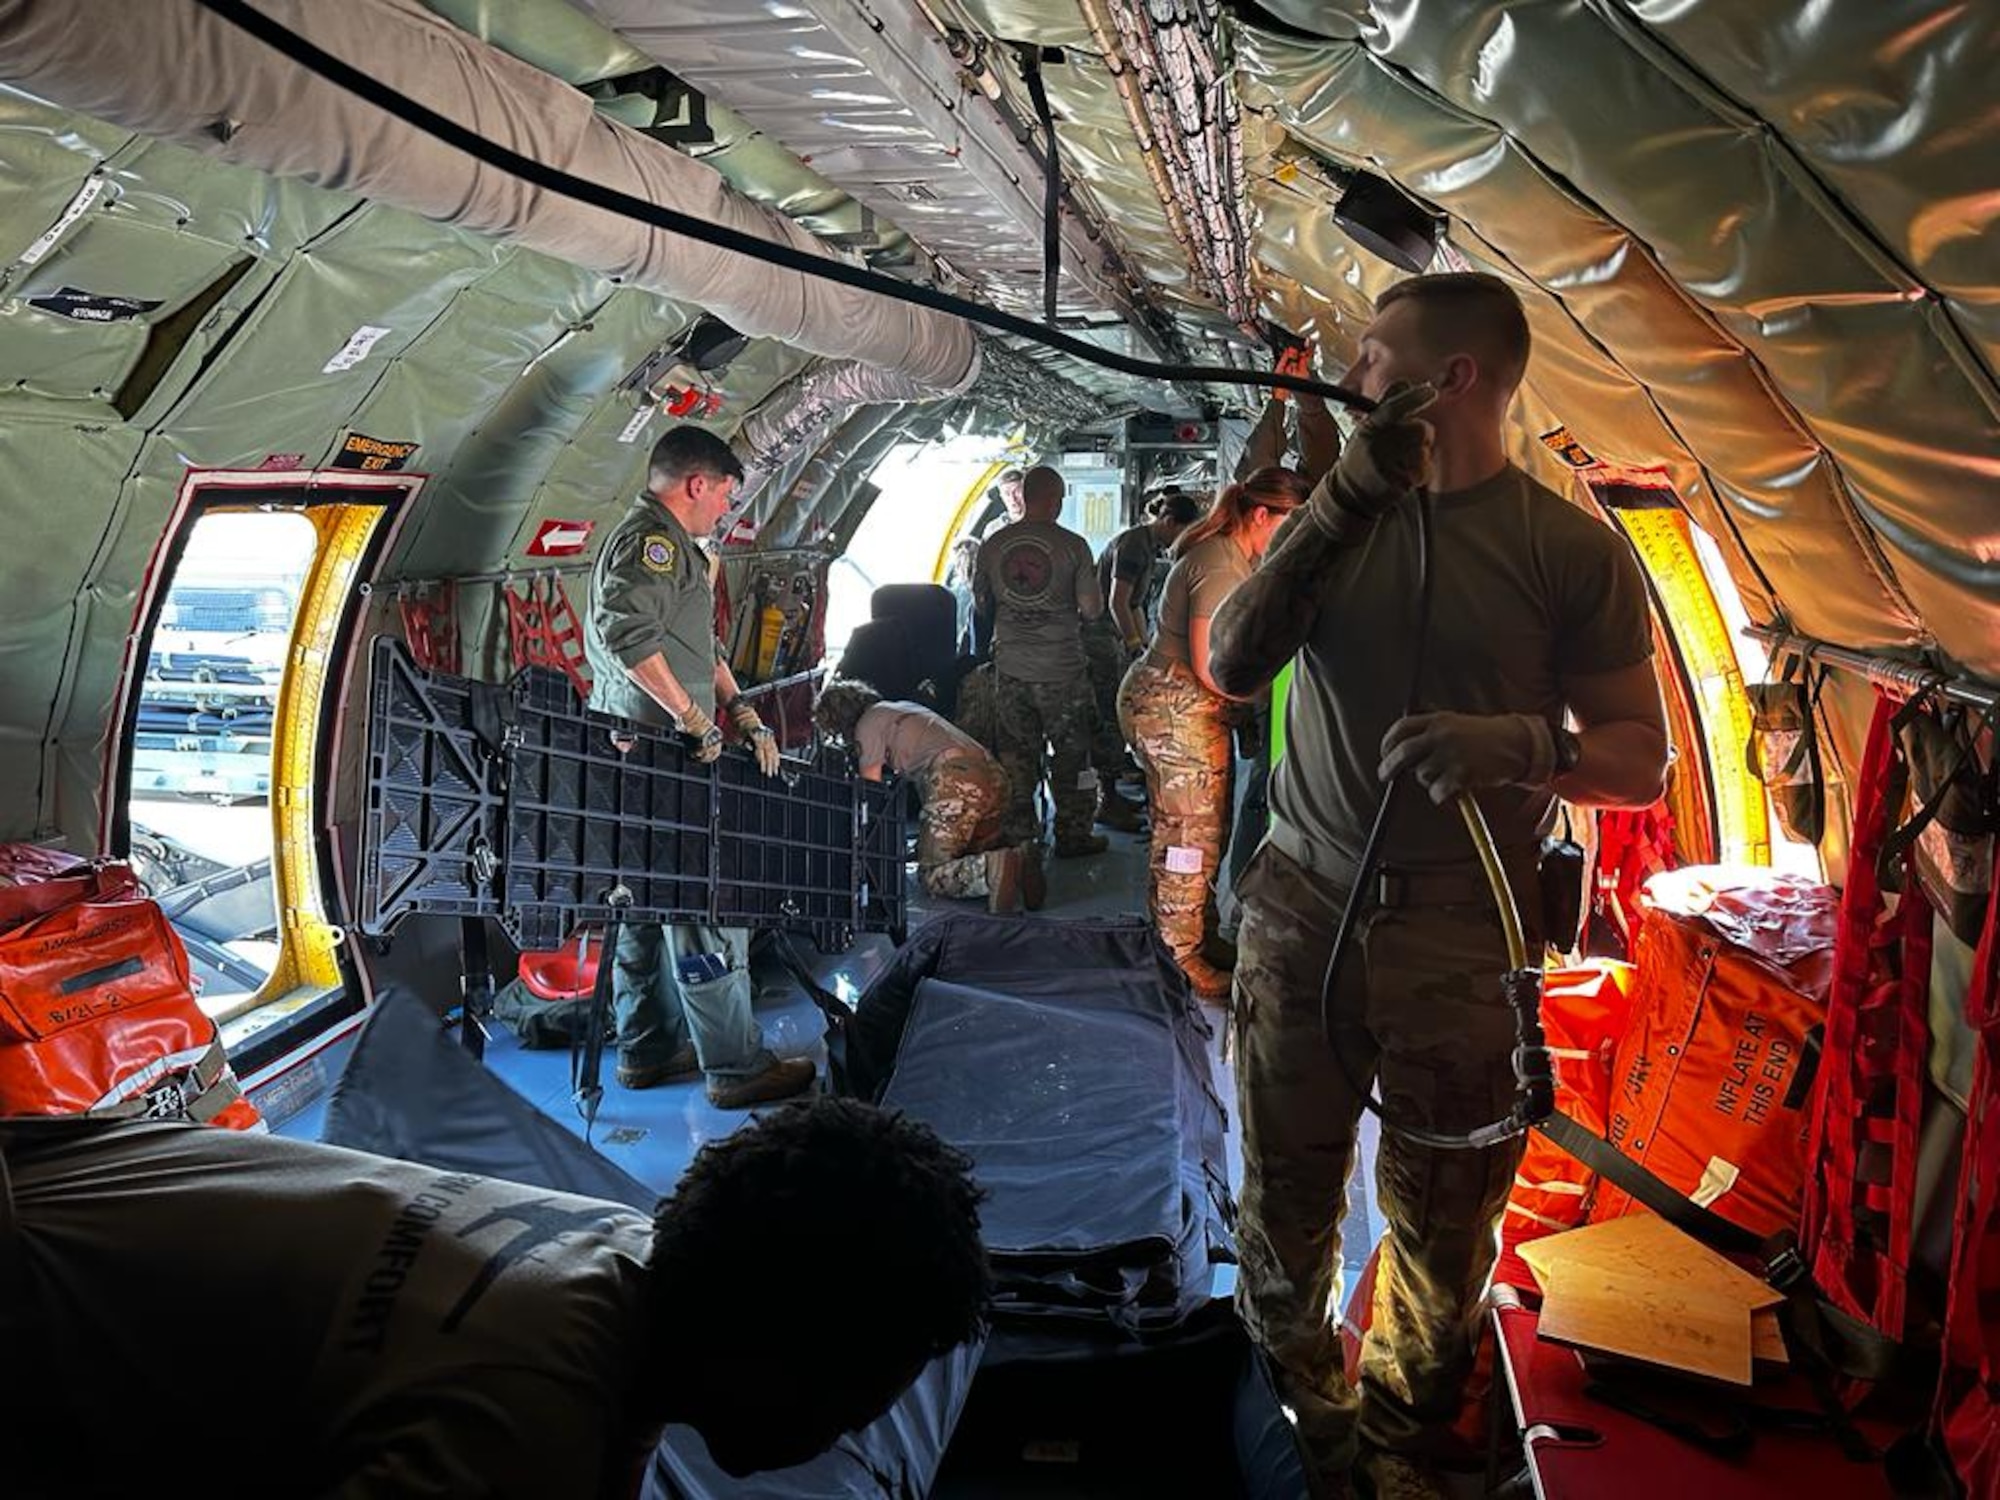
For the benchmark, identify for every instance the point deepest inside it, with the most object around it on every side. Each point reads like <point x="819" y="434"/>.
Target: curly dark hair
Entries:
<point x="761" y="1214"/>
<point x="841" y="704"/>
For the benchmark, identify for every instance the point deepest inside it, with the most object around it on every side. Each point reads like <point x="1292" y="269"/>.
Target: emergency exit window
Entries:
<point x="199" y="793"/>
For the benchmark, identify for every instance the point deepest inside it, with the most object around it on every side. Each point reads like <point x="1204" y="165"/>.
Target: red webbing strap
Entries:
<point x="430" y="625"/>
<point x="1968" y="1406"/>
<point x="543" y="631"/>
<point x="1861" y="1190"/>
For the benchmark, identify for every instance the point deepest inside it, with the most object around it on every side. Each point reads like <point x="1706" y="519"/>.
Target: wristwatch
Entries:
<point x="1569" y="750"/>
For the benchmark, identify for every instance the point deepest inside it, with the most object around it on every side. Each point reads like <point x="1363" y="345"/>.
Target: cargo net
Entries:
<point x="512" y="801"/>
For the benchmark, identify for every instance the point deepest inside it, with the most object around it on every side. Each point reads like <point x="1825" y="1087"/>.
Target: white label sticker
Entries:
<point x="359" y="342"/>
<point x="85" y="196"/>
<point x="637" y="425"/>
<point x="1182" y="860"/>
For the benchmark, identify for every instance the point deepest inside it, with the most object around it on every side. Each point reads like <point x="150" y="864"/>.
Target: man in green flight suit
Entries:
<point x="680" y="992"/>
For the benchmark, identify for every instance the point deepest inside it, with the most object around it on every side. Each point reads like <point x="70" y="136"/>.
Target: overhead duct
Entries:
<point x="805" y="408"/>
<point x="170" y="69"/>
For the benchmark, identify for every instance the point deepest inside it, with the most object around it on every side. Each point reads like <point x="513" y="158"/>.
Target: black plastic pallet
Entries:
<point x="516" y="802"/>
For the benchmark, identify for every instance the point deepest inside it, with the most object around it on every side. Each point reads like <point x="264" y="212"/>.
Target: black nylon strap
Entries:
<point x="587" y="1057"/>
<point x="1038" y="94"/>
<point x="1609" y="1162"/>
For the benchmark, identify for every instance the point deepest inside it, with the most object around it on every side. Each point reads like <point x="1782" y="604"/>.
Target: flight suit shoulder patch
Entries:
<point x="658" y="552"/>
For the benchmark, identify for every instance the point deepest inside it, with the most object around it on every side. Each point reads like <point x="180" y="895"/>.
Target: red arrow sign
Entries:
<point x="560" y="538"/>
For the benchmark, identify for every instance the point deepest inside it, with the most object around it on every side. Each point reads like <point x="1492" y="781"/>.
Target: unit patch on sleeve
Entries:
<point x="659" y="553"/>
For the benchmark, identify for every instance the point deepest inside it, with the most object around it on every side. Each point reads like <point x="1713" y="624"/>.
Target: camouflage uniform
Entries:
<point x="1418" y="1007"/>
<point x="963" y="800"/>
<point x="1058" y="713"/>
<point x="974" y="712"/>
<point x="1104" y="658"/>
<point x="1179" y="731"/>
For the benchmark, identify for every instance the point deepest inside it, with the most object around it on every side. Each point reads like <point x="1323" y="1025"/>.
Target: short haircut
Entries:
<point x="1042" y="483"/>
<point x="761" y="1214"/>
<point x="1469" y="312"/>
<point x="1175" y="505"/>
<point x="1009" y="476"/>
<point x="687" y="450"/>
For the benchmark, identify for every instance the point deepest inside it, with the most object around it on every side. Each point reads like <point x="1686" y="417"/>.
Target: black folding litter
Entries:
<point x="513" y="801"/>
<point x="1067" y="1059"/>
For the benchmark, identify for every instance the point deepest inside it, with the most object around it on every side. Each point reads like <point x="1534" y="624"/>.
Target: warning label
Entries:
<point x="363" y="452"/>
<point x="1563" y="444"/>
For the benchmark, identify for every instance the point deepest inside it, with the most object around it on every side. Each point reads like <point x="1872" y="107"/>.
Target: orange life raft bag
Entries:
<point x="97" y="1006"/>
<point x="1715" y="1079"/>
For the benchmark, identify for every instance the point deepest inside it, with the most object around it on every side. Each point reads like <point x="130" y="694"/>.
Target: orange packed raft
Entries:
<point x="1698" y="1059"/>
<point x="98" y="1014"/>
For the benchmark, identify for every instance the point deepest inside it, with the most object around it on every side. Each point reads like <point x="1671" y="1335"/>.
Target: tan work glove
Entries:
<point x="1388" y="457"/>
<point x="763" y="743"/>
<point x="700" y="728"/>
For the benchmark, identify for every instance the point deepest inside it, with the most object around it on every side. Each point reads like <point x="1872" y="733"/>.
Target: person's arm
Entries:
<point x="1089" y="593"/>
<point x="763" y="743"/>
<point x="1319" y="439"/>
<point x="1270" y="615"/>
<point x="872" y="773"/>
<point x="1199" y="635"/>
<point x="1266" y="444"/>
<point x="1621" y="745"/>
<point x="1130" y="630"/>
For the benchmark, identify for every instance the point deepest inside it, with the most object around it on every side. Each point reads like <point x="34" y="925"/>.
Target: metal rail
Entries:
<point x="1910" y="677"/>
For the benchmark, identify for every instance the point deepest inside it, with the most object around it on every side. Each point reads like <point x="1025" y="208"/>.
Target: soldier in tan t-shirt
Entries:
<point x="1037" y="580"/>
<point x="1539" y="612"/>
<point x="962" y="788"/>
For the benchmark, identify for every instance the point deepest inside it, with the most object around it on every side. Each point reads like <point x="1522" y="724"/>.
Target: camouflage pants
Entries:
<point x="1419" y="1009"/>
<point x="975" y="711"/>
<point x="1104" y="661"/>
<point x="1176" y="729"/>
<point x="1031" y="715"/>
<point x="963" y="801"/>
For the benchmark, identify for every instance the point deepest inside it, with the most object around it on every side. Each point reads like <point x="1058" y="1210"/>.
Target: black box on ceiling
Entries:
<point x="1158" y="430"/>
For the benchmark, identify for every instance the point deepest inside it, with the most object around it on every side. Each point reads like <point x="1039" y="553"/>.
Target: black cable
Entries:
<point x="1038" y="94"/>
<point x="1371" y="854"/>
<point x="345" y="76"/>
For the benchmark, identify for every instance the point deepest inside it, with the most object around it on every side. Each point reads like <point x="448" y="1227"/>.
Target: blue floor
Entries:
<point x="654" y="1134"/>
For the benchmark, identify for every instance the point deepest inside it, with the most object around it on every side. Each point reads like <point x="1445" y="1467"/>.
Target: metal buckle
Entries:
<point x="1390" y="888"/>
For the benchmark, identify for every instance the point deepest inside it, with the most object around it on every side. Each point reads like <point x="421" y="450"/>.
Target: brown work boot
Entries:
<point x="1090" y="843"/>
<point x="1113" y="811"/>
<point x="781" y="1080"/>
<point x="1003" y="881"/>
<point x="679" y="1068"/>
<point x="1394" y="1476"/>
<point x="1034" y="879"/>
<point x="1205" y="979"/>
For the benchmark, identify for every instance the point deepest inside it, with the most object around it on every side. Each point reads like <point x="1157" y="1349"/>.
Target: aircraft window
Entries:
<point x="201" y="773"/>
<point x="927" y="491"/>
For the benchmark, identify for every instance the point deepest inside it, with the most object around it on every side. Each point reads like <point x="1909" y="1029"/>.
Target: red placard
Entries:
<point x="560" y="538"/>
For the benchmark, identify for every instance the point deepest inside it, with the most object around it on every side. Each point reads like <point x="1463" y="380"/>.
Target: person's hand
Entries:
<point x="763" y="744"/>
<point x="1389" y="454"/>
<point x="1296" y="360"/>
<point x="1450" y="753"/>
<point x="700" y="728"/>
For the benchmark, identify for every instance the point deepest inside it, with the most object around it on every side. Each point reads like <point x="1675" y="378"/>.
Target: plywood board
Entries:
<point x="1631" y="1313"/>
<point x="1767" y="1340"/>
<point x="1647" y="1244"/>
